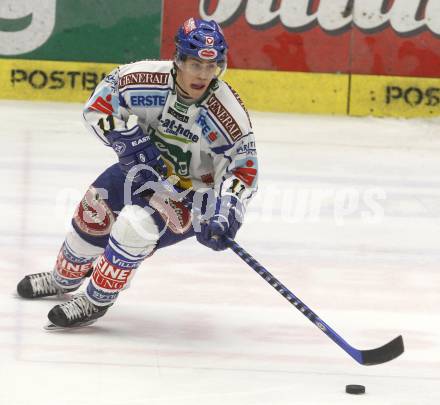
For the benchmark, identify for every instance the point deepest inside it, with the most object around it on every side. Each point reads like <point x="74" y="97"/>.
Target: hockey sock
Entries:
<point x="112" y="273"/>
<point x="71" y="268"/>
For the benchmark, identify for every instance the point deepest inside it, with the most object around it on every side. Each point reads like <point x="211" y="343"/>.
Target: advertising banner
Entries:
<point x="50" y="80"/>
<point x="381" y="37"/>
<point x="390" y="96"/>
<point x="80" y="30"/>
<point x="357" y="57"/>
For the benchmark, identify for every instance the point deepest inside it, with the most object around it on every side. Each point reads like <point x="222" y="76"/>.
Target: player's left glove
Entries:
<point x="135" y="148"/>
<point x="227" y="219"/>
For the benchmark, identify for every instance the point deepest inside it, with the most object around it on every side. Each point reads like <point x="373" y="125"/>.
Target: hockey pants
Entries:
<point x="112" y="233"/>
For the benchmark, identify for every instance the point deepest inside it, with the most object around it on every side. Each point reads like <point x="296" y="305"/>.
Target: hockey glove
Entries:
<point x="134" y="148"/>
<point x="227" y="219"/>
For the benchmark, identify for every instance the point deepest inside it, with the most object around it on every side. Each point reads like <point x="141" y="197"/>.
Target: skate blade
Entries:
<point x="52" y="327"/>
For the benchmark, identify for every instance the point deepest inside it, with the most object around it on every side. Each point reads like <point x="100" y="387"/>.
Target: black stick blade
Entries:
<point x="384" y="353"/>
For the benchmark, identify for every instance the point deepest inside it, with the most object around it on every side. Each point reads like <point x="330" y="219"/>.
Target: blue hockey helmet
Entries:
<point x="201" y="39"/>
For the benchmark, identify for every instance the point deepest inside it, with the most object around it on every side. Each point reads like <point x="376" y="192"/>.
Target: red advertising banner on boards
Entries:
<point x="381" y="37"/>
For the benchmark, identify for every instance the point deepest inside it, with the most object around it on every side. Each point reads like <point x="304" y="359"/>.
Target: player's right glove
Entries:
<point x="227" y="219"/>
<point x="134" y="148"/>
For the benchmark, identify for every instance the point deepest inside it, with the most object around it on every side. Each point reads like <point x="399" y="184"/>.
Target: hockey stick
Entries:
<point x="380" y="355"/>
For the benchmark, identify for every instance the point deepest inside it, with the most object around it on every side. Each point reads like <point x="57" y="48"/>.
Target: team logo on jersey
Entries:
<point x="224" y="117"/>
<point x="207" y="53"/>
<point x="178" y="115"/>
<point x="189" y="25"/>
<point x="174" y="155"/>
<point x="209" y="41"/>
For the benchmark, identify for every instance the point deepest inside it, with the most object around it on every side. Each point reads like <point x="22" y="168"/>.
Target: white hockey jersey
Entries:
<point x="208" y="144"/>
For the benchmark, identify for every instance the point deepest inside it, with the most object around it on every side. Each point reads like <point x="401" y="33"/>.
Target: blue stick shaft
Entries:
<point x="294" y="300"/>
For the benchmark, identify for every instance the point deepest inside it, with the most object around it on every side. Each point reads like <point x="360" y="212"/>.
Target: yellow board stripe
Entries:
<point x="318" y="93"/>
<point x="297" y="92"/>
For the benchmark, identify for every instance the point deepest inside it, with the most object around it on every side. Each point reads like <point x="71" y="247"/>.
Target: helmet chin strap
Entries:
<point x="182" y="94"/>
<point x="182" y="91"/>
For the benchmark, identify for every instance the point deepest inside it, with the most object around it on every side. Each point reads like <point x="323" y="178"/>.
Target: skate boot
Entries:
<point x="40" y="285"/>
<point x="79" y="311"/>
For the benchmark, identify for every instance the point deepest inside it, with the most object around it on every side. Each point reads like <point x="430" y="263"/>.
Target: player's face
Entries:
<point x="194" y="76"/>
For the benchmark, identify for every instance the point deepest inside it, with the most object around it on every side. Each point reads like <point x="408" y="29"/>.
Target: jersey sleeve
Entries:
<point x="236" y="170"/>
<point x="104" y="111"/>
<point x="234" y="151"/>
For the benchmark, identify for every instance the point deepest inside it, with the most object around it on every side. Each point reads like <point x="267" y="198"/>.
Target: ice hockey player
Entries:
<point x="169" y="122"/>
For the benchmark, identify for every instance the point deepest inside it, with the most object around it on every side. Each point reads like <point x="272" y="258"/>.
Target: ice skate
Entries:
<point x="77" y="312"/>
<point x="40" y="285"/>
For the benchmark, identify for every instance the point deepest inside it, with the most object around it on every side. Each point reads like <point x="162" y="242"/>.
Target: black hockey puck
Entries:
<point x="355" y="389"/>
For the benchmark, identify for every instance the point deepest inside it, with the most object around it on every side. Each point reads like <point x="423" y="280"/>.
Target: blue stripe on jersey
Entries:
<point x="222" y="149"/>
<point x="146" y="88"/>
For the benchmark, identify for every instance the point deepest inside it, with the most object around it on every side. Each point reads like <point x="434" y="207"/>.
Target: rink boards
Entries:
<point x="317" y="93"/>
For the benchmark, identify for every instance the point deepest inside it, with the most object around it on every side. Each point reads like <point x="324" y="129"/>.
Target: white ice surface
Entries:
<point x="198" y="326"/>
